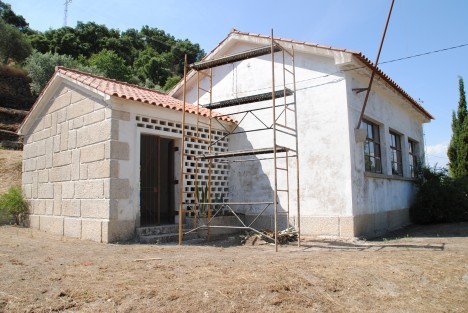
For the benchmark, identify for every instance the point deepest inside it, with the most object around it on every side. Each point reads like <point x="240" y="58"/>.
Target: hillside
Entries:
<point x="15" y="102"/>
<point x="10" y="169"/>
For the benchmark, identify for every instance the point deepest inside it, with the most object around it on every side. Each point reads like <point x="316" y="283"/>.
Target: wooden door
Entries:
<point x="156" y="180"/>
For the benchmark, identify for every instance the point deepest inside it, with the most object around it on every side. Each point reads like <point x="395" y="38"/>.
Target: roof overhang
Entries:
<point x="343" y="58"/>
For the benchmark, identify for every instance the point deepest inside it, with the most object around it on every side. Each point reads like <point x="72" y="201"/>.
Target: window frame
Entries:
<point x="396" y="155"/>
<point x="413" y="157"/>
<point x="372" y="148"/>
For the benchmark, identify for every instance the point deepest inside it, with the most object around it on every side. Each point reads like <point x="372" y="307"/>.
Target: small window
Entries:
<point x="413" y="157"/>
<point x="395" y="147"/>
<point x="372" y="155"/>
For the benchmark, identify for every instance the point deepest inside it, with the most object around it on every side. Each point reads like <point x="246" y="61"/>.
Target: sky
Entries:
<point x="416" y="27"/>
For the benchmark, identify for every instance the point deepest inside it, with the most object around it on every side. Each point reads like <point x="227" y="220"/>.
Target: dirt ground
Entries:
<point x="10" y="169"/>
<point x="424" y="270"/>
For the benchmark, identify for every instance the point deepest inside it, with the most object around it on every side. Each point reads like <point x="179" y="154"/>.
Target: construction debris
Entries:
<point x="267" y="237"/>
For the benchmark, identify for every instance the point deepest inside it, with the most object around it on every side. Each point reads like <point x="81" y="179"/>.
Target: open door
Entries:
<point x="156" y="180"/>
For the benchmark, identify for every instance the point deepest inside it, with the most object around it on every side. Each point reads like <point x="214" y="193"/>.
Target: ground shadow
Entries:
<point x="426" y="231"/>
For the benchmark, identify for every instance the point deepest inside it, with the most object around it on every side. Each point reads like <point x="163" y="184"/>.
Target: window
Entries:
<point x="372" y="155"/>
<point x="395" y="147"/>
<point x="413" y="158"/>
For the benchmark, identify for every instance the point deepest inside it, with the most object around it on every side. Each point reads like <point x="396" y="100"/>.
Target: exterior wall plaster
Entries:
<point x="337" y="197"/>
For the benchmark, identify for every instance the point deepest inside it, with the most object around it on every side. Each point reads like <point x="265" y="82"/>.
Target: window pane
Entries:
<point x="372" y="148"/>
<point x="376" y="150"/>
<point x="378" y="166"/>
<point x="376" y="133"/>
<point x="366" y="148"/>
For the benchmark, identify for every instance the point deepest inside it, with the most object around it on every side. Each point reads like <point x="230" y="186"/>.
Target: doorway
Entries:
<point x="156" y="180"/>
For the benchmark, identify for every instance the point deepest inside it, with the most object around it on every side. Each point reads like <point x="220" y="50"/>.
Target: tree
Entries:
<point x="111" y="65"/>
<point x="41" y="67"/>
<point x="13" y="204"/>
<point x="10" y="17"/>
<point x="13" y="44"/>
<point x="182" y="47"/>
<point x="458" y="148"/>
<point x="39" y="42"/>
<point x="171" y="82"/>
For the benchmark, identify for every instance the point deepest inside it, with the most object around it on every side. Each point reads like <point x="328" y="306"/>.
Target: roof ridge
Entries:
<point x="306" y="43"/>
<point x="356" y="53"/>
<point x="108" y="79"/>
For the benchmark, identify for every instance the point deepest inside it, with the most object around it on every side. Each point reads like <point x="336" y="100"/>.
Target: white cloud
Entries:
<point x="437" y="154"/>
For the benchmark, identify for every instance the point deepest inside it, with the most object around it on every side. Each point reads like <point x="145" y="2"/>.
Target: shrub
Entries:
<point x="12" y="203"/>
<point x="440" y="198"/>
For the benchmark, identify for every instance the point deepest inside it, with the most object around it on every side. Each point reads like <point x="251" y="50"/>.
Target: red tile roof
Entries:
<point x="357" y="54"/>
<point x="131" y="92"/>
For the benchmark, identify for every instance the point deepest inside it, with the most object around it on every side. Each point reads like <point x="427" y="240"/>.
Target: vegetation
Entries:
<point x="14" y="46"/>
<point x="13" y="204"/>
<point x="458" y="148"/>
<point x="148" y="57"/>
<point x="10" y="17"/>
<point x="440" y="198"/>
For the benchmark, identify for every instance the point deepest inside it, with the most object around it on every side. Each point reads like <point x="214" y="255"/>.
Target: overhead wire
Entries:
<point x="357" y="68"/>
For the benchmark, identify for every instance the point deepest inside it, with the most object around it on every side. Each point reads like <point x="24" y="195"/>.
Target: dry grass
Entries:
<point x="40" y="272"/>
<point x="10" y="169"/>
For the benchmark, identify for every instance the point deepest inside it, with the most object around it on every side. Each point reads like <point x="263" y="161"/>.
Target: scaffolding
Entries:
<point x="282" y="123"/>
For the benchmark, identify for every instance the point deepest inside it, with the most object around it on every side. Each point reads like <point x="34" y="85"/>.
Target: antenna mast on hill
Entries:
<point x="67" y="2"/>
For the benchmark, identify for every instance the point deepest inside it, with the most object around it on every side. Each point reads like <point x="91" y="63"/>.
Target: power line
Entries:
<point x="358" y="67"/>
<point x="425" y="53"/>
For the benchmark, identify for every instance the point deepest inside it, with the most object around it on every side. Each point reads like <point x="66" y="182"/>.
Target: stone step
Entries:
<point x="157" y="230"/>
<point x="165" y="238"/>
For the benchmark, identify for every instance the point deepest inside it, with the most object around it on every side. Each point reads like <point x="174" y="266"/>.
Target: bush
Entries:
<point x="440" y="198"/>
<point x="13" y="204"/>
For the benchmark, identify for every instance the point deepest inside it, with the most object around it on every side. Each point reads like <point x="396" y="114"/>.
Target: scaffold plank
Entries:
<point x="219" y="155"/>
<point x="203" y="65"/>
<point x="249" y="99"/>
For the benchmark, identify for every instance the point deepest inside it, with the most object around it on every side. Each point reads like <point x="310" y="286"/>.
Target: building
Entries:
<point x="349" y="186"/>
<point x="83" y="143"/>
<point x="102" y="158"/>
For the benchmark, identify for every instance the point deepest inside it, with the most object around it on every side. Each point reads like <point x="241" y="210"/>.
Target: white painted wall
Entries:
<point x="385" y="192"/>
<point x="322" y="124"/>
<point x="334" y="185"/>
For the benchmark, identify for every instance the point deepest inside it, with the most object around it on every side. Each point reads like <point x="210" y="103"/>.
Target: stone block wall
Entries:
<point x="71" y="168"/>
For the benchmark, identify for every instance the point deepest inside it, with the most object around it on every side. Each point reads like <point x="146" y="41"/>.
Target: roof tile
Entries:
<point x="131" y="92"/>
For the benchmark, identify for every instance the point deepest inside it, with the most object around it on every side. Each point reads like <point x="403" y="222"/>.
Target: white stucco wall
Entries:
<point x="377" y="197"/>
<point x="337" y="196"/>
<point x="323" y="130"/>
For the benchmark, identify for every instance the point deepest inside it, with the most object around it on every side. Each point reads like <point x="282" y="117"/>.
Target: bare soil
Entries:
<point x="10" y="169"/>
<point x="420" y="269"/>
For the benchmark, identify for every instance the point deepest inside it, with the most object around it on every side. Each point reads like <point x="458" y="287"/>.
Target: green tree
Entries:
<point x="111" y="65"/>
<point x="93" y="37"/>
<point x="458" y="148"/>
<point x="180" y="48"/>
<point x="10" y="17"/>
<point x="13" y="204"/>
<point x="41" y="67"/>
<point x="39" y="42"/>
<point x="171" y="82"/>
<point x="13" y="44"/>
